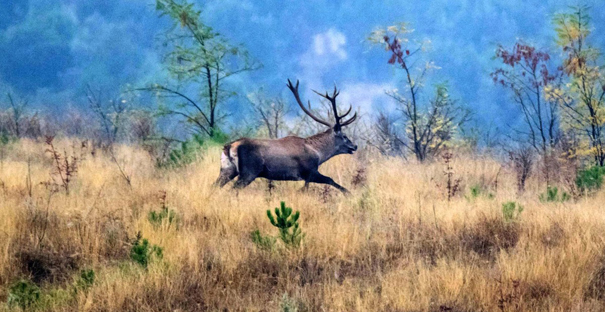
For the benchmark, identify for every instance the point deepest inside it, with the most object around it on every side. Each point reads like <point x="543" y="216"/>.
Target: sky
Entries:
<point x="51" y="49"/>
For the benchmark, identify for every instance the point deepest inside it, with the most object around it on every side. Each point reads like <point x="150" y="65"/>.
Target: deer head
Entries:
<point x="342" y="143"/>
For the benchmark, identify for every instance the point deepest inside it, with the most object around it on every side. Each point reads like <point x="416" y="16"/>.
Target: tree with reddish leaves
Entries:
<point x="527" y="73"/>
<point x="429" y="126"/>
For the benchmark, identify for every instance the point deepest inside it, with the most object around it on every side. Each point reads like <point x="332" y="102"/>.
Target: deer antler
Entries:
<point x="294" y="90"/>
<point x="332" y="98"/>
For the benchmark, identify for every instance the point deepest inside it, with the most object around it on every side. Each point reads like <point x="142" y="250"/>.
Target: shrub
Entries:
<point x="23" y="294"/>
<point x="85" y="280"/>
<point x="142" y="252"/>
<point x="65" y="168"/>
<point x="288" y="304"/>
<point x="511" y="211"/>
<point x="285" y="221"/>
<point x="552" y="195"/>
<point x="262" y="242"/>
<point x="5" y="138"/>
<point x="478" y="190"/>
<point x="188" y="151"/>
<point x="590" y="179"/>
<point x="156" y="218"/>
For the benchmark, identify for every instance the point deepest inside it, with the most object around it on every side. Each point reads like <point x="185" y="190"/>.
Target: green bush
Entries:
<point x="262" y="242"/>
<point x="552" y="195"/>
<point x="156" y="218"/>
<point x="218" y="138"/>
<point x="288" y="304"/>
<point x="285" y="221"/>
<point x="477" y="190"/>
<point x="142" y="252"/>
<point x="511" y="211"/>
<point x="590" y="179"/>
<point x="85" y="280"/>
<point x="5" y="138"/>
<point x="23" y="294"/>
<point x="188" y="151"/>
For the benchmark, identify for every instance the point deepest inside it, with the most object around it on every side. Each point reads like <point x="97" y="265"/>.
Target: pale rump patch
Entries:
<point x="230" y="161"/>
<point x="225" y="162"/>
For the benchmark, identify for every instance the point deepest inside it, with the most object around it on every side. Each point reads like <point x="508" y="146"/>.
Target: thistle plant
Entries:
<point x="284" y="220"/>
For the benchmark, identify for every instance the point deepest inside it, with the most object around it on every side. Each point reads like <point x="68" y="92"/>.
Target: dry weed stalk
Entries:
<point x="65" y="167"/>
<point x="522" y="162"/>
<point x="452" y="185"/>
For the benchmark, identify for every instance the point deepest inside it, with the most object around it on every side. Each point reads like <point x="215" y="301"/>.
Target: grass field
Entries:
<point x="395" y="244"/>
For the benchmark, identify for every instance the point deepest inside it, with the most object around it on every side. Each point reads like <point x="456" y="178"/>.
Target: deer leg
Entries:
<point x="225" y="176"/>
<point x="243" y="182"/>
<point x="246" y="177"/>
<point x="322" y="179"/>
<point x="305" y="188"/>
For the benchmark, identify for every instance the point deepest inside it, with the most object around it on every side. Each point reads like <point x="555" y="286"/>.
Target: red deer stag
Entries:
<point x="291" y="158"/>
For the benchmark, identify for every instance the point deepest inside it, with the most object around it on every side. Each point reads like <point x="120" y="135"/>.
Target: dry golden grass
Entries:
<point x="396" y="244"/>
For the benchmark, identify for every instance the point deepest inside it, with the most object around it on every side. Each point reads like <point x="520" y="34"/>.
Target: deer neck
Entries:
<point x="324" y="144"/>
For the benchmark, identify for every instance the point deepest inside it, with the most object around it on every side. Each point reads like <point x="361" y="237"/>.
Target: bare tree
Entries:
<point x="522" y="160"/>
<point x="110" y="111"/>
<point x="271" y="112"/>
<point x="142" y="125"/>
<point x="111" y="114"/>
<point x="17" y="112"/>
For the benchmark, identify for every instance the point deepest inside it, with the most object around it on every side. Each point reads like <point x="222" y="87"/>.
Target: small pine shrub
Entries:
<point x="477" y="191"/>
<point x="262" y="242"/>
<point x="5" y="138"/>
<point x="156" y="218"/>
<point x="284" y="220"/>
<point x="552" y="195"/>
<point x="23" y="294"/>
<point x="143" y="253"/>
<point x="186" y="153"/>
<point x="590" y="179"/>
<point x="288" y="304"/>
<point x="218" y="138"/>
<point x="511" y="211"/>
<point x="85" y="280"/>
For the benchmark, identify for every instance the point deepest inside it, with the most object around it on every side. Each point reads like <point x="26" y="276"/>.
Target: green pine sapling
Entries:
<point x="285" y="220"/>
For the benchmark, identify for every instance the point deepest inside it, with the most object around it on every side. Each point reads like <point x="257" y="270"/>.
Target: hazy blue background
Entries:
<point x="51" y="49"/>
